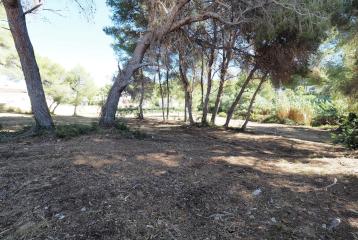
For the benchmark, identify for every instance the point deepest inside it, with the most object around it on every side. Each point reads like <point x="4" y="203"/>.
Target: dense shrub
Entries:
<point x="347" y="133"/>
<point x="326" y="114"/>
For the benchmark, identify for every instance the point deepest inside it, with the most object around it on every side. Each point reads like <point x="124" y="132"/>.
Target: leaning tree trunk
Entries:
<point x="217" y="101"/>
<point x="248" y="114"/>
<point x="18" y="28"/>
<point x="227" y="55"/>
<point x="238" y="97"/>
<point x="109" y="109"/>
<point x="54" y="109"/>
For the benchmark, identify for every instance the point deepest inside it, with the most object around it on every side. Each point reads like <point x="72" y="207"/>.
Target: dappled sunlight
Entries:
<point x="161" y="159"/>
<point x="93" y="161"/>
<point x="314" y="166"/>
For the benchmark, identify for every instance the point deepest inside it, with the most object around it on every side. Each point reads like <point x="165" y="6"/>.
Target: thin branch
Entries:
<point x="33" y="8"/>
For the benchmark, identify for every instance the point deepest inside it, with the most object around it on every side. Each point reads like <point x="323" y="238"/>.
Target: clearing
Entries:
<point x="177" y="182"/>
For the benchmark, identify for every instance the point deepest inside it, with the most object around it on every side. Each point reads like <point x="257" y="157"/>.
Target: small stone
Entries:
<point x="257" y="192"/>
<point x="334" y="224"/>
<point x="59" y="216"/>
<point x="83" y="209"/>
<point x="273" y="220"/>
<point x="324" y="226"/>
<point x="252" y="217"/>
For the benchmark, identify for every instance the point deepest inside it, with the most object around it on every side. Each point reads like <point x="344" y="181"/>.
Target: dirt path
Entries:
<point x="179" y="183"/>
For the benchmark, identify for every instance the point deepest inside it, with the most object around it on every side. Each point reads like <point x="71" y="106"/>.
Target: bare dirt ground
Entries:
<point x="178" y="183"/>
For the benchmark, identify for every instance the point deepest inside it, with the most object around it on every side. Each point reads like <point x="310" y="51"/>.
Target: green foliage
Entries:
<point x="127" y="132"/>
<point x="9" y="60"/>
<point x="74" y="130"/>
<point x="347" y="133"/>
<point x="53" y="77"/>
<point x="121" y="126"/>
<point x="130" y="19"/>
<point x="326" y="113"/>
<point x="222" y="114"/>
<point x="82" y="86"/>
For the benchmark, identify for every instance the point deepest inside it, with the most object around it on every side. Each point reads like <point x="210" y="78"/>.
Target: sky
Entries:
<point x="71" y="39"/>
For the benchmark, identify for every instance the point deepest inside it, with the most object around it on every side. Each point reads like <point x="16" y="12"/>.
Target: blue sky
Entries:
<point x="71" y="39"/>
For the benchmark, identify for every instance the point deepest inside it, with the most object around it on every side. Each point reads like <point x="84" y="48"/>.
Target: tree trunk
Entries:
<point x="18" y="28"/>
<point x="209" y="73"/>
<point x="202" y="80"/>
<point x="54" y="109"/>
<point x="227" y="55"/>
<point x="217" y="101"/>
<point x="187" y="89"/>
<point x="185" y="109"/>
<point x="141" y="114"/>
<point x="49" y="108"/>
<point x="109" y="109"/>
<point x="75" y="111"/>
<point x="161" y="88"/>
<point x="168" y="92"/>
<point x="248" y="114"/>
<point x="238" y="97"/>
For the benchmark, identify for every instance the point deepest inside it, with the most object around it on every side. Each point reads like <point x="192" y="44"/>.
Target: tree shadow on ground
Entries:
<point x="178" y="183"/>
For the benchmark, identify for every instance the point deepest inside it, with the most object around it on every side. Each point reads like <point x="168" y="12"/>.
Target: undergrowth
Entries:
<point x="347" y="133"/>
<point x="74" y="130"/>
<point x="67" y="131"/>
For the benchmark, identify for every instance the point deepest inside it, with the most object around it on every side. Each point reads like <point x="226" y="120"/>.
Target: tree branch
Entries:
<point x="33" y="8"/>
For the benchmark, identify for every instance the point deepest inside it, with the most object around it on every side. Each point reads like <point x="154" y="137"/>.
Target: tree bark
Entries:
<point x="141" y="114"/>
<point x="185" y="109"/>
<point x="161" y="88"/>
<point x="168" y="92"/>
<point x="187" y="89"/>
<point x="209" y="74"/>
<point x="18" y="28"/>
<point x="54" y="109"/>
<point x="238" y="97"/>
<point x="227" y="55"/>
<point x="202" y="79"/>
<point x="75" y="111"/>
<point x="109" y="109"/>
<point x="248" y="114"/>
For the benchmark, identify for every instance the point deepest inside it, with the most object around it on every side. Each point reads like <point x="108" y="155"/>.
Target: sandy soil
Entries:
<point x="178" y="183"/>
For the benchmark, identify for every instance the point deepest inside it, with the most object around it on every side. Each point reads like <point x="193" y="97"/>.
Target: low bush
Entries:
<point x="74" y="130"/>
<point x="222" y="114"/>
<point x="121" y="126"/>
<point x="347" y="133"/>
<point x="326" y="114"/>
<point x="127" y="132"/>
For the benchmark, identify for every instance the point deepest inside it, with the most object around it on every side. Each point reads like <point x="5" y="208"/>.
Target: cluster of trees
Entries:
<point x="73" y="87"/>
<point x="199" y="41"/>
